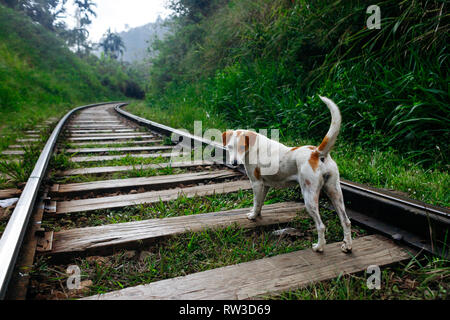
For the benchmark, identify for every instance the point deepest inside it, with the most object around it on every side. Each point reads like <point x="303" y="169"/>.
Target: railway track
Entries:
<point x="100" y="161"/>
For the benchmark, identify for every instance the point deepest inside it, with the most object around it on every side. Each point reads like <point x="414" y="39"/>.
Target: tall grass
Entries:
<point x="262" y="64"/>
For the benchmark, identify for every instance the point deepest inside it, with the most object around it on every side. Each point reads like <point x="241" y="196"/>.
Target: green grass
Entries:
<point x="179" y="207"/>
<point x="63" y="162"/>
<point x="19" y="171"/>
<point x="40" y="77"/>
<point x="262" y="64"/>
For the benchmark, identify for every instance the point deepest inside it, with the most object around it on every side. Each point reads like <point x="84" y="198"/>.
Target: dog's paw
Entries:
<point x="252" y="215"/>
<point x="346" y="247"/>
<point x="317" y="248"/>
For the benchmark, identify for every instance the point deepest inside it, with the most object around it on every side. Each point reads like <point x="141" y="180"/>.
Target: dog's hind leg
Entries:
<point x="333" y="189"/>
<point x="310" y="194"/>
<point x="259" y="194"/>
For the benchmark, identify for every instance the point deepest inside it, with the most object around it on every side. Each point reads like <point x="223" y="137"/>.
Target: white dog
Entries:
<point x="272" y="164"/>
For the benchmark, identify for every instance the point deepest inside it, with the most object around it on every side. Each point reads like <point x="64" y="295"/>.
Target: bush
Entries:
<point x="262" y="64"/>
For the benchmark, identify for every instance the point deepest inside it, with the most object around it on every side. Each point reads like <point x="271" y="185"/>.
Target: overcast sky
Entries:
<point x="116" y="14"/>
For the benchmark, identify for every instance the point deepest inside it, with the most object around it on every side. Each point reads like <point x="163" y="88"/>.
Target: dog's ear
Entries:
<point x="250" y="139"/>
<point x="246" y="140"/>
<point x="225" y="136"/>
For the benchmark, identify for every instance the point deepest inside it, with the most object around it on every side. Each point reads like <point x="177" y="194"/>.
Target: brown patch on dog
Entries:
<point x="257" y="173"/>
<point x="295" y="148"/>
<point x="311" y="147"/>
<point x="246" y="140"/>
<point x="308" y="183"/>
<point x="225" y="137"/>
<point x="314" y="160"/>
<point x="324" y="143"/>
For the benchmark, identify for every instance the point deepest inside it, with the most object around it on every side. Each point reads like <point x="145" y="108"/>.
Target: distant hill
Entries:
<point x="138" y="39"/>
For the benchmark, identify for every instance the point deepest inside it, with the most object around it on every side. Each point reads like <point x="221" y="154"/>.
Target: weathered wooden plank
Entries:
<point x="27" y="140"/>
<point x="91" y="131"/>
<point x="96" y="126"/>
<point x="114" y="235"/>
<point x="77" y="122"/>
<point x="81" y="119"/>
<point x="112" y="169"/>
<point x="70" y="129"/>
<point x="13" y="152"/>
<point x="110" y="135"/>
<point x="113" y="135"/>
<point x="106" y="158"/>
<point x="9" y="193"/>
<point x="121" y="149"/>
<point x="149" y="197"/>
<point x="159" y="181"/>
<point x="268" y="276"/>
<point x="104" y="138"/>
<point x="80" y="144"/>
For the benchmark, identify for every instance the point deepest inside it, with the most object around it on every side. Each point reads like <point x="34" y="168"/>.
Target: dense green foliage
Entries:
<point x="262" y="64"/>
<point x="40" y="76"/>
<point x="37" y="67"/>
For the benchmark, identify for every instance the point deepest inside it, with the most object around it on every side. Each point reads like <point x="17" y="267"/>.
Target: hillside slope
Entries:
<point x="39" y="76"/>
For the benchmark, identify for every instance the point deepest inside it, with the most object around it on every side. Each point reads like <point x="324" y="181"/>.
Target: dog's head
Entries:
<point x="238" y="143"/>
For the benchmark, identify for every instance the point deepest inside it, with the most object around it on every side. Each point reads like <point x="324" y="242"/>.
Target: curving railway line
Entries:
<point x="100" y="157"/>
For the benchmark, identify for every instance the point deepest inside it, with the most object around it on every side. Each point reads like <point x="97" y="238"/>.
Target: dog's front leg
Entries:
<point x="259" y="194"/>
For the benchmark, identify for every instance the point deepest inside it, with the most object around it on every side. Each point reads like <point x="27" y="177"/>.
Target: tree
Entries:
<point x="79" y="35"/>
<point x="112" y="45"/>
<point x="86" y="11"/>
<point x="45" y="12"/>
<point x="77" y="38"/>
<point x="193" y="11"/>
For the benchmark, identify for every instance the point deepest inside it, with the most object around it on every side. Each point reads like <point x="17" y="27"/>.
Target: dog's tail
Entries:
<point x="332" y="134"/>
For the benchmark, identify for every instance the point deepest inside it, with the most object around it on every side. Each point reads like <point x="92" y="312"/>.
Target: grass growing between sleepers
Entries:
<point x="182" y="206"/>
<point x="136" y="172"/>
<point x="62" y="162"/>
<point x="194" y="252"/>
<point x="16" y="170"/>
<point x="180" y="255"/>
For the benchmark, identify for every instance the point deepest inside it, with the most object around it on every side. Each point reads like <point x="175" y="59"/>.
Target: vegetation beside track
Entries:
<point x="261" y="64"/>
<point x="40" y="76"/>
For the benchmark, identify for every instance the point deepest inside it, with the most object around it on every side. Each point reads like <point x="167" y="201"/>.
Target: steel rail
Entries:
<point x="420" y="225"/>
<point x="12" y="238"/>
